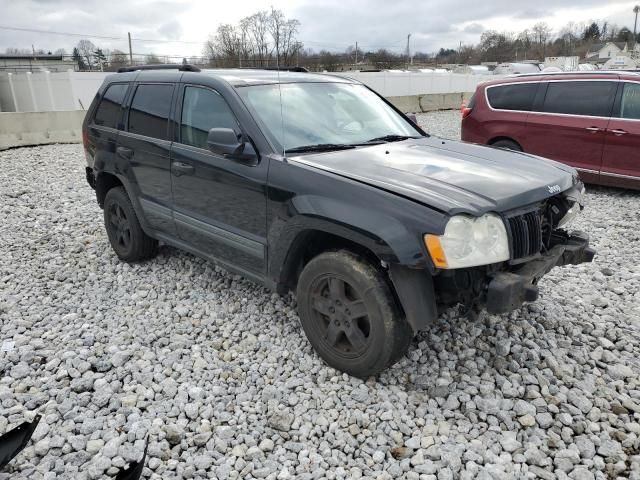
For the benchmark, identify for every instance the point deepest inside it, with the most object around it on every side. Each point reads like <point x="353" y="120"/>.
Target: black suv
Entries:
<point x="316" y="183"/>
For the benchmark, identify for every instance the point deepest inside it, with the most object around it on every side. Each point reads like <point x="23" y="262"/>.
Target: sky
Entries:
<point x="180" y="27"/>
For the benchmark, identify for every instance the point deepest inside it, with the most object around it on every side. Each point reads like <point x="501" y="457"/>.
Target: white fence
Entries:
<point x="47" y="91"/>
<point x="59" y="91"/>
<point x="404" y="84"/>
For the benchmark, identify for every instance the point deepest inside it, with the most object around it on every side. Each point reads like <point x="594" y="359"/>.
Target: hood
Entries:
<point x="450" y="176"/>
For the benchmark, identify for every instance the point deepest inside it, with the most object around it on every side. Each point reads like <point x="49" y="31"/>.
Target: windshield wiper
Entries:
<point x="390" y="138"/>
<point x="320" y="147"/>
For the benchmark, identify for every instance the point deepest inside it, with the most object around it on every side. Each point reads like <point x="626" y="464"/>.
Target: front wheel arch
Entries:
<point x="505" y="142"/>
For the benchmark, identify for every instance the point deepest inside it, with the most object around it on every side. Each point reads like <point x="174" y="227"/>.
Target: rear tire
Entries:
<point x="350" y="315"/>
<point x="125" y="234"/>
<point x="508" y="144"/>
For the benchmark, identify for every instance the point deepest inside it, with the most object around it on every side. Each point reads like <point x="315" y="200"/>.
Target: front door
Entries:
<point x="219" y="203"/>
<point x="571" y="124"/>
<point x="621" y="159"/>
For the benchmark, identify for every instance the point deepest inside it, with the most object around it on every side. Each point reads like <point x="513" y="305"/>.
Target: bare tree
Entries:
<point x="17" y="51"/>
<point x="258" y="28"/>
<point x="541" y="32"/>
<point x="152" y="59"/>
<point x="86" y="49"/>
<point x="118" y="59"/>
<point x="276" y="26"/>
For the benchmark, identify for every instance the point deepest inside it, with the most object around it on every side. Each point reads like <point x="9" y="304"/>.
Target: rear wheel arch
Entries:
<point x="104" y="182"/>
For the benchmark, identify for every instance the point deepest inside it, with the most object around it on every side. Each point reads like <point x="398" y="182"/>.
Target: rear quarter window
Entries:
<point x="518" y="96"/>
<point x="108" y="111"/>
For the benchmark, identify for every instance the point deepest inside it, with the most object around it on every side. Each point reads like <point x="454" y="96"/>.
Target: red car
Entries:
<point x="588" y="120"/>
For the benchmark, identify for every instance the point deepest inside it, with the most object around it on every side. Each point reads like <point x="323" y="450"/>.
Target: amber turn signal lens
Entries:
<point x="435" y="250"/>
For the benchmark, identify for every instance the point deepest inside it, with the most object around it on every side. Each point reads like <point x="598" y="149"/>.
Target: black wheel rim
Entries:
<point x="120" y="226"/>
<point x="340" y="316"/>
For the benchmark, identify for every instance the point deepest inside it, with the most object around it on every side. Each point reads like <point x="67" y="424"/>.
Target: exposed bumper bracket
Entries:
<point x="509" y="290"/>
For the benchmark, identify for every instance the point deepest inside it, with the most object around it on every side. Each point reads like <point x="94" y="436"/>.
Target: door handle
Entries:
<point x="594" y="129"/>
<point x="124" y="152"/>
<point x="618" y="132"/>
<point x="182" y="168"/>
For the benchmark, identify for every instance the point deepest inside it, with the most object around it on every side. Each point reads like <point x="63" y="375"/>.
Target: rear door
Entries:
<point x="570" y="123"/>
<point x="102" y="130"/>
<point x="219" y="203"/>
<point x="621" y="159"/>
<point x="144" y="150"/>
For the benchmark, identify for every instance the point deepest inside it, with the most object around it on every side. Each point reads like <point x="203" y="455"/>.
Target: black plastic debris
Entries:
<point x="134" y="472"/>
<point x="14" y="441"/>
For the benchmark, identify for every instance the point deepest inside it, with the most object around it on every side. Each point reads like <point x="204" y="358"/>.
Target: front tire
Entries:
<point x="125" y="234"/>
<point x="350" y="315"/>
<point x="508" y="144"/>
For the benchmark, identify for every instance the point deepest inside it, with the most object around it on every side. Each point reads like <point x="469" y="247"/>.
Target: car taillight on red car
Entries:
<point x="466" y="111"/>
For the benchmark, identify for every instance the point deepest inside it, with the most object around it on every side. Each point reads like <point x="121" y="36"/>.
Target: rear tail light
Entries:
<point x="466" y="111"/>
<point x="85" y="138"/>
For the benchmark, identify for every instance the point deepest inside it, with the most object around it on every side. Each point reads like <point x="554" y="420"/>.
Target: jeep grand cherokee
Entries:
<point x="315" y="183"/>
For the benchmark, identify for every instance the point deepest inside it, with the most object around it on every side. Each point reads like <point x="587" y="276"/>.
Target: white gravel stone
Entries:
<point x="212" y="367"/>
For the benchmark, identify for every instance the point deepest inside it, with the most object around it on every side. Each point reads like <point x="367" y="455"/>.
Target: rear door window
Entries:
<point x="202" y="110"/>
<point x="517" y="96"/>
<point x="630" y="104"/>
<point x="149" y="111"/>
<point x="108" y="111"/>
<point x="593" y="99"/>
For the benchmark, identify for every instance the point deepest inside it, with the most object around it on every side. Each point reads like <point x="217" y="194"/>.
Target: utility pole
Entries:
<point x="356" y="54"/>
<point x="130" y="51"/>
<point x="408" y="50"/>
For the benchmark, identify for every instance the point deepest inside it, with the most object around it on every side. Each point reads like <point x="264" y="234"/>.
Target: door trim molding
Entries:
<point x="154" y="208"/>
<point x="619" y="175"/>
<point x="586" y="170"/>
<point x="221" y="235"/>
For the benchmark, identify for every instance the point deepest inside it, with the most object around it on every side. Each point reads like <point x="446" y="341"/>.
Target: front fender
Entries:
<point x="394" y="237"/>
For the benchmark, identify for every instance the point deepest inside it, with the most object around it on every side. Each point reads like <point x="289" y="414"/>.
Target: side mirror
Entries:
<point x="412" y="117"/>
<point x="224" y="141"/>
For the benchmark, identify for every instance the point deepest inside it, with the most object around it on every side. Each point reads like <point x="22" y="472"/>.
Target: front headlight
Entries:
<point x="469" y="241"/>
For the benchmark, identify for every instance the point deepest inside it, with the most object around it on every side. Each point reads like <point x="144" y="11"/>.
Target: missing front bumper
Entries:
<point x="509" y="290"/>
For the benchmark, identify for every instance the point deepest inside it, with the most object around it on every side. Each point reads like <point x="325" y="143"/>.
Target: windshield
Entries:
<point x="324" y="114"/>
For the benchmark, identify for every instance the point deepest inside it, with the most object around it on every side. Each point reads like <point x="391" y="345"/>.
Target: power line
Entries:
<point x="86" y="35"/>
<point x="69" y="34"/>
<point x="186" y="42"/>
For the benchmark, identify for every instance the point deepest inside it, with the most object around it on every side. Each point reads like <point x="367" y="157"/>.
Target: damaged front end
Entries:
<point x="537" y="243"/>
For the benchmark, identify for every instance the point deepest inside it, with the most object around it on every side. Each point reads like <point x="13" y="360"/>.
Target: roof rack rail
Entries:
<point x="183" y="67"/>
<point x="577" y="72"/>
<point x="286" y="69"/>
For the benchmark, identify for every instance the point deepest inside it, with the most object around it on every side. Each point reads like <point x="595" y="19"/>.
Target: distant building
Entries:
<point x="564" y="64"/>
<point x="621" y="62"/>
<point x="605" y="51"/>
<point x="36" y="63"/>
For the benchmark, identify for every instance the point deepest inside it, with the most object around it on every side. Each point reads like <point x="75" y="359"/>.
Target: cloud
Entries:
<point x="171" y="30"/>
<point x="325" y="24"/>
<point x="474" y="27"/>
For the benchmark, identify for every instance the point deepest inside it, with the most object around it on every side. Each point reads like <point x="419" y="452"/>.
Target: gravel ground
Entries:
<point x="217" y="373"/>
